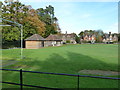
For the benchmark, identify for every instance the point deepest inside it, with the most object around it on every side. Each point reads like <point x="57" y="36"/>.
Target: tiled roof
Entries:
<point x="35" y="37"/>
<point x="72" y="34"/>
<point x="54" y="37"/>
<point x="59" y="37"/>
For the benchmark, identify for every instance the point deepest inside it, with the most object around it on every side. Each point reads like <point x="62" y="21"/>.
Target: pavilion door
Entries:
<point x="42" y="43"/>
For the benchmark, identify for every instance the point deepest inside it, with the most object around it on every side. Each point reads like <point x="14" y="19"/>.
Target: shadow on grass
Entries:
<point x="58" y="64"/>
<point x="72" y="64"/>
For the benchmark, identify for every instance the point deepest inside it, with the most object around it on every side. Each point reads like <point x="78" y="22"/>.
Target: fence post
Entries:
<point x="78" y="82"/>
<point x="21" y="81"/>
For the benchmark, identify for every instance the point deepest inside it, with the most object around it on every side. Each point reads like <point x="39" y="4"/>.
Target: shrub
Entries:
<point x="68" y="41"/>
<point x="64" y="43"/>
<point x="115" y="41"/>
<point x="84" y="41"/>
<point x="6" y="45"/>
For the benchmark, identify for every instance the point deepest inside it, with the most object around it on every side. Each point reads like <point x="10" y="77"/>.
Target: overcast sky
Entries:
<point x="76" y="16"/>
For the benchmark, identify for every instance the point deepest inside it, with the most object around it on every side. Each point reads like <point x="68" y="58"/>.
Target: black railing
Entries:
<point x="21" y="79"/>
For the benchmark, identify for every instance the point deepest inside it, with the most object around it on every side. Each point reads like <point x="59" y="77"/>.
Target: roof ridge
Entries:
<point x="37" y="37"/>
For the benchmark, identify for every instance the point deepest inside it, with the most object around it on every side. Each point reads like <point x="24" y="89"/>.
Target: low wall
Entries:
<point x="33" y="44"/>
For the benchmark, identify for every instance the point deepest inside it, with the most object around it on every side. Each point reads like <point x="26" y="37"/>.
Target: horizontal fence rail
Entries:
<point x="74" y="75"/>
<point x="64" y="74"/>
<point x="30" y="85"/>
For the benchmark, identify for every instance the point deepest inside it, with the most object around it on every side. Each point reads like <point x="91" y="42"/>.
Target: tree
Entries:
<point x="40" y="21"/>
<point x="10" y="33"/>
<point x="34" y="20"/>
<point x="77" y="39"/>
<point x="81" y="34"/>
<point x="17" y="12"/>
<point x="118" y="37"/>
<point x="28" y="30"/>
<point x="99" y="35"/>
<point x="56" y="25"/>
<point x="14" y="11"/>
<point x="50" y="30"/>
<point x="51" y="22"/>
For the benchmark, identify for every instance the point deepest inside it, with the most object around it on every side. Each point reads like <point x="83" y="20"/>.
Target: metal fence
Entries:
<point x="74" y="75"/>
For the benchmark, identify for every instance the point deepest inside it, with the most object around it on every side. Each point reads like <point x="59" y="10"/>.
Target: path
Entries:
<point x="99" y="72"/>
<point x="5" y="63"/>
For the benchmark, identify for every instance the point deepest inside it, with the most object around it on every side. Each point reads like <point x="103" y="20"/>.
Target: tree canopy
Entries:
<point x="40" y="21"/>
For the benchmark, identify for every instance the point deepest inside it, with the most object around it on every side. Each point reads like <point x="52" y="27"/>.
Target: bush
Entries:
<point x="8" y="44"/>
<point x="86" y="41"/>
<point x="115" y="41"/>
<point x="89" y="41"/>
<point x="98" y="42"/>
<point x="64" y="43"/>
<point x="77" y="39"/>
<point x="68" y="41"/>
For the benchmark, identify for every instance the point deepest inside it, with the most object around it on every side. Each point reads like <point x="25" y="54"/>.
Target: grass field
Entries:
<point x="64" y="59"/>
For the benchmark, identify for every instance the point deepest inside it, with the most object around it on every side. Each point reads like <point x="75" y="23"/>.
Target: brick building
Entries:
<point x="53" y="40"/>
<point x="110" y="38"/>
<point x="67" y="37"/>
<point x="34" y="42"/>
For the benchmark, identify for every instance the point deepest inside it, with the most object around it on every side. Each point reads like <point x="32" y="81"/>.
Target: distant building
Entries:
<point x="110" y="38"/>
<point x="68" y="37"/>
<point x="106" y="38"/>
<point x="53" y="40"/>
<point x="88" y="38"/>
<point x="115" y="38"/>
<point x="36" y="41"/>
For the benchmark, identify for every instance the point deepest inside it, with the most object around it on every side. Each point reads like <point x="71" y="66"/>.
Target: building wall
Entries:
<point x="58" y="43"/>
<point x="52" y="43"/>
<point x="33" y="44"/>
<point x="70" y="38"/>
<point x="47" y="43"/>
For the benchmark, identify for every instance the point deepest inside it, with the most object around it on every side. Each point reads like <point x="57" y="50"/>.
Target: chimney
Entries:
<point x="109" y="33"/>
<point x="66" y="33"/>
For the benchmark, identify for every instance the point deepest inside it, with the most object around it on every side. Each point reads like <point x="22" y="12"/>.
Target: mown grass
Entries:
<point x="64" y="59"/>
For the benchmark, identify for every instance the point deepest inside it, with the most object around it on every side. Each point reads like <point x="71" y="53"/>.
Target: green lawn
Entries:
<point x="64" y="59"/>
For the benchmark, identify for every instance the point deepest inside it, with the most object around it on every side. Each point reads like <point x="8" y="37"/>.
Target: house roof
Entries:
<point x="54" y="37"/>
<point x="35" y="37"/>
<point x="71" y="35"/>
